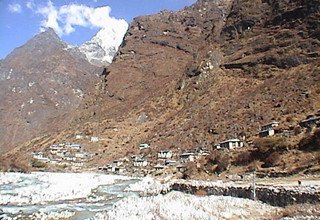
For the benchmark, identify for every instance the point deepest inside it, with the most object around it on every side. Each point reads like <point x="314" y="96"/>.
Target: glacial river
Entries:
<point x="60" y="195"/>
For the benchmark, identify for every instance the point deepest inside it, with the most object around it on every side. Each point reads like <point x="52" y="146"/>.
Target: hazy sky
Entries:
<point x="74" y="21"/>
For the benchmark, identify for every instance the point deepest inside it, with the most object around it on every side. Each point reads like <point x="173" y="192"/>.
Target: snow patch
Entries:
<point x="177" y="205"/>
<point x="101" y="49"/>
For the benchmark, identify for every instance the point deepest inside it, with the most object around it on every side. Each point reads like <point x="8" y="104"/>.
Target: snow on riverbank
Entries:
<point x="149" y="186"/>
<point x="177" y="205"/>
<point x="40" y="188"/>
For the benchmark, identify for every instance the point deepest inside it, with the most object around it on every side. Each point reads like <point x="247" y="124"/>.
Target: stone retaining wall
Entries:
<point x="276" y="196"/>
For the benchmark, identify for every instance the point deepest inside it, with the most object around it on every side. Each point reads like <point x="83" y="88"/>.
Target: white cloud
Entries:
<point x="51" y="14"/>
<point x="64" y="19"/>
<point x="30" y="5"/>
<point x="15" y="8"/>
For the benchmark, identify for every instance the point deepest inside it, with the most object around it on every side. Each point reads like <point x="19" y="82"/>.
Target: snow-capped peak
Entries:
<point x="101" y="49"/>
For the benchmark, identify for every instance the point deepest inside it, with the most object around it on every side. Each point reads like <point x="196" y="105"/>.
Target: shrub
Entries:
<point x="272" y="160"/>
<point x="266" y="146"/>
<point x="38" y="164"/>
<point x="244" y="158"/>
<point x="218" y="161"/>
<point x="311" y="142"/>
<point x="223" y="162"/>
<point x="191" y="169"/>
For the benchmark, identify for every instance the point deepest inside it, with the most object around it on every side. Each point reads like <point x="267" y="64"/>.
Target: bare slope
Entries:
<point x="212" y="71"/>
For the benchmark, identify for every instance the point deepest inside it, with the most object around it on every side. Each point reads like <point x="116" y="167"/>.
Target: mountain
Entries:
<point x="193" y="78"/>
<point x="40" y="83"/>
<point x="101" y="49"/>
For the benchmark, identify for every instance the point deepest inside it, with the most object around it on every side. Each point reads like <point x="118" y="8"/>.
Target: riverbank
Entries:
<point x="100" y="196"/>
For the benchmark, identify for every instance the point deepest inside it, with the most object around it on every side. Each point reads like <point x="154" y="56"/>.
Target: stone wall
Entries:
<point x="276" y="196"/>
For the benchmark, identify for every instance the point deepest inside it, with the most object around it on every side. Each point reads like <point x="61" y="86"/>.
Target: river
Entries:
<point x="60" y="195"/>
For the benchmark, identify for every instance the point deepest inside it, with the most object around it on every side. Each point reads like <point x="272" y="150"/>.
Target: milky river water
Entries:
<point x="60" y="195"/>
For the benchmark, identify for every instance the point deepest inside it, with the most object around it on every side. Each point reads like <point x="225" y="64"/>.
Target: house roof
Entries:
<point x="314" y="118"/>
<point x="271" y="123"/>
<point x="187" y="154"/>
<point x="164" y="151"/>
<point x="230" y="140"/>
<point x="159" y="166"/>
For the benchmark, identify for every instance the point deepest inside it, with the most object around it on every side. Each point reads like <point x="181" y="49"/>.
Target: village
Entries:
<point x="72" y="155"/>
<point x="157" y="162"/>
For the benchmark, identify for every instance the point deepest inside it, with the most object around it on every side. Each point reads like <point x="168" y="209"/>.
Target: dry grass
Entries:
<point x="311" y="210"/>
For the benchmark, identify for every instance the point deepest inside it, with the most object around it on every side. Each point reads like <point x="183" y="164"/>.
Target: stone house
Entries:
<point x="231" y="144"/>
<point x="311" y="122"/>
<point x="144" y="146"/>
<point x="40" y="156"/>
<point x="169" y="162"/>
<point x="181" y="168"/>
<point x="186" y="157"/>
<point x="267" y="133"/>
<point x="70" y="158"/>
<point x="74" y="146"/>
<point x="117" y="163"/>
<point x="94" y="139"/>
<point x="81" y="155"/>
<point x="140" y="163"/>
<point x="165" y="154"/>
<point x="61" y="153"/>
<point x="270" y="125"/>
<point x="79" y="136"/>
<point x="159" y="167"/>
<point x="268" y="129"/>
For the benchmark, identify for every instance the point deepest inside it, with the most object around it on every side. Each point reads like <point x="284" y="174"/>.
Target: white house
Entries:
<point x="165" y="154"/>
<point x="140" y="163"/>
<point x="81" y="155"/>
<point x="117" y="163"/>
<point x="268" y="129"/>
<point x="70" y="158"/>
<point x="94" y="139"/>
<point x="170" y="162"/>
<point x="185" y="157"/>
<point x="231" y="144"/>
<point x="144" y="146"/>
<point x="201" y="151"/>
<point x="310" y="122"/>
<point x="77" y="163"/>
<point x="40" y="156"/>
<point x="61" y="153"/>
<point x="270" y="125"/>
<point x="119" y="170"/>
<point x="181" y="168"/>
<point x="75" y="146"/>
<point x="159" y="167"/>
<point x="266" y="133"/>
<point x="79" y="136"/>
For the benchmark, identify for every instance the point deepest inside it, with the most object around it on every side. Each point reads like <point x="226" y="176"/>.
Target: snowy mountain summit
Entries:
<point x="101" y="49"/>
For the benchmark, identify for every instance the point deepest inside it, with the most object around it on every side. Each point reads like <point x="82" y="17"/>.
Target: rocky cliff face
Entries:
<point x="41" y="82"/>
<point x="215" y="70"/>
